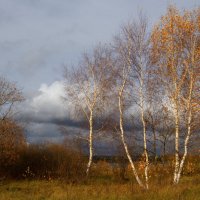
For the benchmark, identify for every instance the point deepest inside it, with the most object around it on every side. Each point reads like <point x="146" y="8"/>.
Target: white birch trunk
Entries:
<point x="184" y="155"/>
<point x="176" y="169"/>
<point x="90" y="143"/>
<point x="123" y="139"/>
<point x="144" y="136"/>
<point x="188" y="131"/>
<point x="145" y="152"/>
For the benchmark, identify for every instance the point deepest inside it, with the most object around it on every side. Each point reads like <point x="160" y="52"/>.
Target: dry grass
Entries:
<point x="108" y="183"/>
<point x="189" y="189"/>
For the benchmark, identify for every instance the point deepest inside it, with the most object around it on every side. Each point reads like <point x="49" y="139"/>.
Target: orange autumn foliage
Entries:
<point x="11" y="142"/>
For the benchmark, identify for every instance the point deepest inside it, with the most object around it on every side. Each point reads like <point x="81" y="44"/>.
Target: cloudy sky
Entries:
<point x="39" y="37"/>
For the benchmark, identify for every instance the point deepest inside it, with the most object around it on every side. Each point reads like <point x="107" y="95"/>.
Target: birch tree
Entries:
<point x="124" y="70"/>
<point x="137" y="41"/>
<point x="132" y="46"/>
<point x="175" y="50"/>
<point x="191" y="93"/>
<point x="86" y="87"/>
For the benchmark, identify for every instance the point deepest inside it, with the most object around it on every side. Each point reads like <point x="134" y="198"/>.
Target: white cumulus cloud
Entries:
<point x="47" y="105"/>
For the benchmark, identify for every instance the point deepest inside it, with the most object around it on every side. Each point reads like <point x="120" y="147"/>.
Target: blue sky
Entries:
<point x="39" y="37"/>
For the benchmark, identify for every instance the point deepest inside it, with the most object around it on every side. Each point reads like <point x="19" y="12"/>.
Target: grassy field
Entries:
<point x="189" y="188"/>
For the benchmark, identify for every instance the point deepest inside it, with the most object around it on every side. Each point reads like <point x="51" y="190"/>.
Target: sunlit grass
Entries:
<point x="189" y="188"/>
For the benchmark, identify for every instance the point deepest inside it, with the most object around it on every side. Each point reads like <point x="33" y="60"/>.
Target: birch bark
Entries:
<point x="120" y="97"/>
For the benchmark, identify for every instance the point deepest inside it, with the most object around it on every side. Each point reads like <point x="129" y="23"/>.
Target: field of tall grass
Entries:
<point x="102" y="189"/>
<point x="54" y="172"/>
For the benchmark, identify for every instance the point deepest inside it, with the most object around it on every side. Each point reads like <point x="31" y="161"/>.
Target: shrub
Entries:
<point x="12" y="141"/>
<point x="49" y="161"/>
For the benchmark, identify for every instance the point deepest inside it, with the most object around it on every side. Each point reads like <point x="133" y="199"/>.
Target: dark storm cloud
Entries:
<point x="38" y="133"/>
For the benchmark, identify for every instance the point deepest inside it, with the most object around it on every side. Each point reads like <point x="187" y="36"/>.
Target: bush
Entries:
<point x="12" y="141"/>
<point x="192" y="166"/>
<point x="48" y="161"/>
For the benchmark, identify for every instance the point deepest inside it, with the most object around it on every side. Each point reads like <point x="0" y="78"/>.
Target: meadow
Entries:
<point x="54" y="172"/>
<point x="107" y="183"/>
<point x="136" y="98"/>
<point x="102" y="189"/>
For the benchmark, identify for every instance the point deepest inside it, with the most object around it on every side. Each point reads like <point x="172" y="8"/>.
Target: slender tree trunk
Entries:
<point x="176" y="142"/>
<point x="184" y="155"/>
<point x="188" y="131"/>
<point x="123" y="139"/>
<point x="90" y="143"/>
<point x="144" y="134"/>
<point x="145" y="151"/>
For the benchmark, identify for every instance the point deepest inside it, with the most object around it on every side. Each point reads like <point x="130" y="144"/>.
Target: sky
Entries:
<point x="39" y="37"/>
